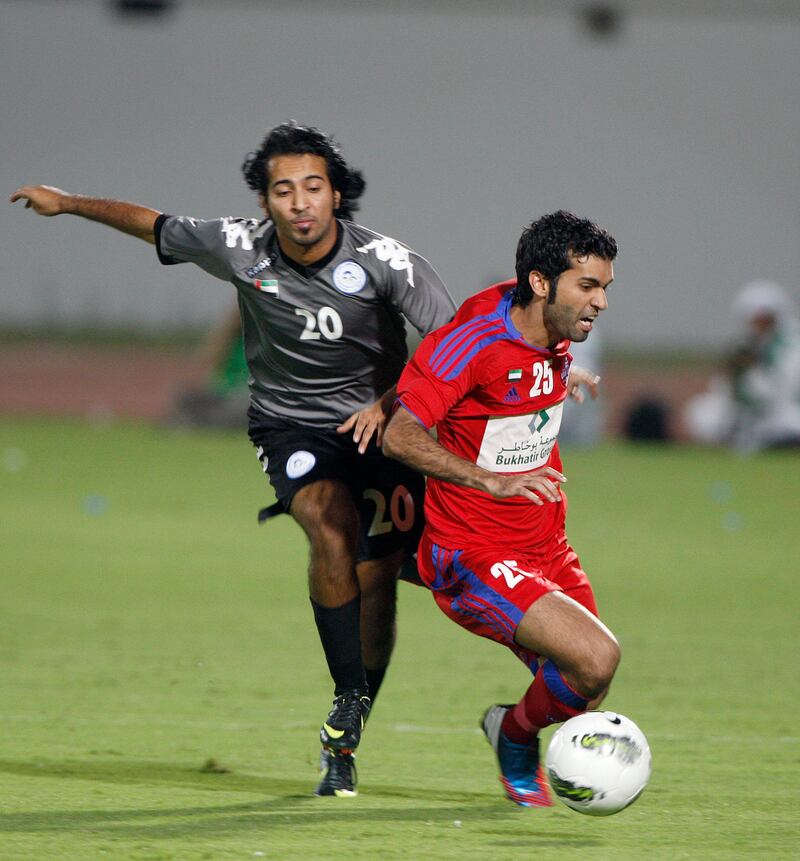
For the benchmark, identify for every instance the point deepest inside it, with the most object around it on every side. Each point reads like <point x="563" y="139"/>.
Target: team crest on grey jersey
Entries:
<point x="349" y="277"/>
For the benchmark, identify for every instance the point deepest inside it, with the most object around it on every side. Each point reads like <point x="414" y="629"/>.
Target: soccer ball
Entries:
<point x="598" y="763"/>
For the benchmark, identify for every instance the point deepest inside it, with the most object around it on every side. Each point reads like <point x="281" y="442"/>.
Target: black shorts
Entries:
<point x="387" y="494"/>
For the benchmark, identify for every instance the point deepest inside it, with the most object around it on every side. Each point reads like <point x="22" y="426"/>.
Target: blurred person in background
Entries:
<point x="224" y="397"/>
<point x="754" y="402"/>
<point x="322" y="303"/>
<point x="583" y="422"/>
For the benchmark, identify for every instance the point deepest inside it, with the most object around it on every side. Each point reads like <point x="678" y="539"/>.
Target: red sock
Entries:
<point x="548" y="700"/>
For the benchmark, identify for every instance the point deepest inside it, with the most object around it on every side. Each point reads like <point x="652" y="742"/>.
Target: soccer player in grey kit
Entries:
<point x="322" y="302"/>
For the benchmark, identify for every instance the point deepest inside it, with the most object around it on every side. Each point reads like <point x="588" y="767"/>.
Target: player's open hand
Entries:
<point x="44" y="199"/>
<point x="579" y="377"/>
<point x="366" y="423"/>
<point x="539" y="486"/>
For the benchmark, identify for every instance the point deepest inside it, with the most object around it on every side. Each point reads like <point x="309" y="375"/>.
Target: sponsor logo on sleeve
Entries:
<point x="349" y="277"/>
<point x="238" y="231"/>
<point x="392" y="252"/>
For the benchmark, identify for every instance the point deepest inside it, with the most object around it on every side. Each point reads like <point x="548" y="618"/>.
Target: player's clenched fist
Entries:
<point x="44" y="199"/>
<point x="538" y="486"/>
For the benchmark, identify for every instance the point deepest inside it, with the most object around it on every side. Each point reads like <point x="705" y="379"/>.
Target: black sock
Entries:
<point x="340" y="633"/>
<point x="374" y="681"/>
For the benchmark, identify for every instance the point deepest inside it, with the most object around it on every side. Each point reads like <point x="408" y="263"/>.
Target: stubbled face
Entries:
<point x="300" y="200"/>
<point x="580" y="297"/>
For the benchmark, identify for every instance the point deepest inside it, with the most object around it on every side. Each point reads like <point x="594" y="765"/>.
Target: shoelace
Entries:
<point x="521" y="760"/>
<point x="346" y="709"/>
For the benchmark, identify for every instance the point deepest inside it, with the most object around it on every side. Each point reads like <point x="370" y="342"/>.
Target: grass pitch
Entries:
<point x="161" y="684"/>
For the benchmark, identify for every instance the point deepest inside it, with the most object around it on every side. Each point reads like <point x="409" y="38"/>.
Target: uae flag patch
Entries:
<point x="515" y="374"/>
<point x="270" y="286"/>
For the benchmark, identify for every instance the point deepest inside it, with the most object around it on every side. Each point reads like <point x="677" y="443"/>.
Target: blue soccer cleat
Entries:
<point x="521" y="773"/>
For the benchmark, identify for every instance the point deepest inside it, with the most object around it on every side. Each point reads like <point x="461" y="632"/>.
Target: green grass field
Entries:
<point x="149" y="626"/>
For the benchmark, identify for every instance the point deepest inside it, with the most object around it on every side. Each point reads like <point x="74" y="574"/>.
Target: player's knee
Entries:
<point x="333" y="543"/>
<point x="330" y="525"/>
<point x="598" y="667"/>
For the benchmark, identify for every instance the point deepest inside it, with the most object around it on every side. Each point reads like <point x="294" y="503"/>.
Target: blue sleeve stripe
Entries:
<point x="451" y="342"/>
<point x="472" y="343"/>
<point x="463" y="359"/>
<point x="560" y="689"/>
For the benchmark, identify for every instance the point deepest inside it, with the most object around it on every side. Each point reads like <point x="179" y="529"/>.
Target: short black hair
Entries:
<point x="547" y="244"/>
<point x="293" y="139"/>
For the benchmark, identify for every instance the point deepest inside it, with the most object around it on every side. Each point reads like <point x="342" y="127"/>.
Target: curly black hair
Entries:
<point x="547" y="244"/>
<point x="293" y="139"/>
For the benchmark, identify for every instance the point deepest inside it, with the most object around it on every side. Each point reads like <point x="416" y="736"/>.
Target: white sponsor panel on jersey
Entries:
<point x="392" y="252"/>
<point x="520" y="443"/>
<point x="300" y="463"/>
<point x="349" y="277"/>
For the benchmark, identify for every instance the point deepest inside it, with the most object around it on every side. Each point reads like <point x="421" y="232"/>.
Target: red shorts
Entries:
<point x="487" y="590"/>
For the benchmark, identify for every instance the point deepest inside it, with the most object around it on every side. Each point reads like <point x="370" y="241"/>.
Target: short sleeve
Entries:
<point x="423" y="390"/>
<point x="218" y="246"/>
<point x="411" y="284"/>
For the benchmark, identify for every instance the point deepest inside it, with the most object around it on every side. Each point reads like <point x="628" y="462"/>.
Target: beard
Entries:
<point x="562" y="324"/>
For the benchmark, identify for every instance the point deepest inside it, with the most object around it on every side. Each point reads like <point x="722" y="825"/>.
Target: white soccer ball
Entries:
<point x="598" y="763"/>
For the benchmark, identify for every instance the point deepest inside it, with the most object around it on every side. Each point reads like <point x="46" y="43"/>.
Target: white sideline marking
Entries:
<point x="434" y="730"/>
<point x="140" y="720"/>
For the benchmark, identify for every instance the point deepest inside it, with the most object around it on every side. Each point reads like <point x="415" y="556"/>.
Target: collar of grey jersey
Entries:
<point x="310" y="271"/>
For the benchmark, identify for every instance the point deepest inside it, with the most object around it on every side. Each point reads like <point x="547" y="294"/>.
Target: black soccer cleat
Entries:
<point x="342" y="728"/>
<point x="339" y="776"/>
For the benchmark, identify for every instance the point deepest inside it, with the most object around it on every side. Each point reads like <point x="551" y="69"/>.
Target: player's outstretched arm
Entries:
<point x="129" y="218"/>
<point x="406" y="440"/>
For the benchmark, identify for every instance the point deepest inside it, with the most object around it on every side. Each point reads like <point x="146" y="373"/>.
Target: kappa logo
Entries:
<point x="565" y="370"/>
<point x="258" y="268"/>
<point x="512" y="396"/>
<point x="392" y="252"/>
<point x="238" y="231"/>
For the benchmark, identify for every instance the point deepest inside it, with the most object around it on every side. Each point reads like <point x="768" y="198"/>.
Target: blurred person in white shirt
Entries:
<point x="755" y="402"/>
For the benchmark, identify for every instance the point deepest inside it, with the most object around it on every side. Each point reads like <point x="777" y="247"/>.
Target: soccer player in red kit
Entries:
<point x="494" y="551"/>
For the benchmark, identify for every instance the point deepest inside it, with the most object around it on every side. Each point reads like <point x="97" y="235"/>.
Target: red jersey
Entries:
<point x="495" y="400"/>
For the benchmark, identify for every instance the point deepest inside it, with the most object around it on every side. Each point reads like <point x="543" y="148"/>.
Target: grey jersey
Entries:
<point x="324" y="343"/>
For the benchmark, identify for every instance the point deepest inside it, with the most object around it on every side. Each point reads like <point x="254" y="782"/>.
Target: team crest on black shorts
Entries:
<point x="299" y="464"/>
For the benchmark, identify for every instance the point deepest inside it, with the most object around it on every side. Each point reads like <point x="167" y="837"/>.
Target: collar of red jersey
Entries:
<point x="504" y="306"/>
